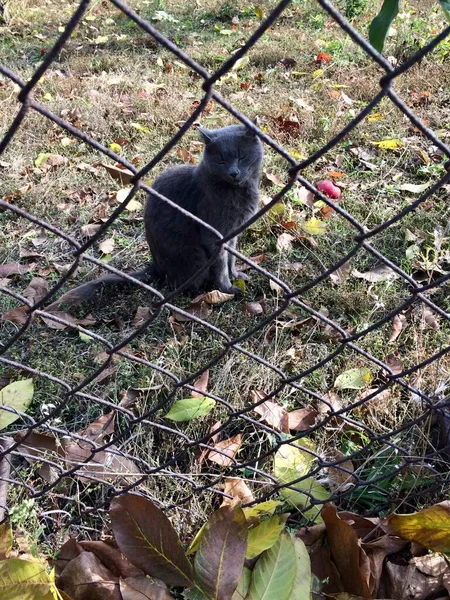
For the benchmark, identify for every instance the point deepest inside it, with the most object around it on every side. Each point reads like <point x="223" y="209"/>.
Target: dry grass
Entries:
<point x="110" y="84"/>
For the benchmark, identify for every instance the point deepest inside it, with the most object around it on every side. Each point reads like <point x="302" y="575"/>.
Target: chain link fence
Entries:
<point x="98" y="461"/>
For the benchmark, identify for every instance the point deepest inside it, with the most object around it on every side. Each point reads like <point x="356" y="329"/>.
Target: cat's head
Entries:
<point x="233" y="154"/>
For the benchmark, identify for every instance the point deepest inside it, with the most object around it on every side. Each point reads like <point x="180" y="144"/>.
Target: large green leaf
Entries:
<point x="220" y="557"/>
<point x="300" y="498"/>
<point x="146" y="537"/>
<point x="301" y="590"/>
<point x="274" y="573"/>
<point x="26" y="580"/>
<point x="263" y="536"/>
<point x="380" y="25"/>
<point x="243" y="585"/>
<point x="17" y="395"/>
<point x="190" y="408"/>
<point x="445" y="5"/>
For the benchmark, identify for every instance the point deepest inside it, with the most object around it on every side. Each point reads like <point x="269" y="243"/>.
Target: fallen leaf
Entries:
<point x="238" y="490"/>
<point x="302" y="419"/>
<point x="314" y="227"/>
<point x="225" y="451"/>
<point x="185" y="156"/>
<point x="274" y="415"/>
<point x="142" y="315"/>
<point x="122" y="175"/>
<point x="338" y="478"/>
<point x="339" y="276"/>
<point x="394" y="363"/>
<point x="414" y="189"/>
<point x="13" y="269"/>
<point x="389" y="144"/>
<point x="323" y="57"/>
<point x="190" y="408"/>
<point x="107" y="246"/>
<point x="16" y="315"/>
<point x="430" y="319"/>
<point x="429" y="527"/>
<point x="202" y="310"/>
<point x="257" y="259"/>
<point x="99" y="429"/>
<point x="264" y="535"/>
<point x="253" y="308"/>
<point x="16" y="395"/>
<point x="380" y="273"/>
<point x="201" y="384"/>
<point x="304" y="196"/>
<point x="397" y="325"/>
<point x="274" y="178"/>
<point x="142" y="588"/>
<point x="284" y="242"/>
<point x="89" y="230"/>
<point x="214" y="297"/>
<point x="61" y="315"/>
<point x="353" y="379"/>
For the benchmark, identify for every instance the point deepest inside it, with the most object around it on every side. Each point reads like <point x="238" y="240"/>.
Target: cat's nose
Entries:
<point x="234" y="172"/>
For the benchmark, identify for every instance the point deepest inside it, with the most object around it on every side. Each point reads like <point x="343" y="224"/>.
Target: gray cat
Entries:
<point x="222" y="191"/>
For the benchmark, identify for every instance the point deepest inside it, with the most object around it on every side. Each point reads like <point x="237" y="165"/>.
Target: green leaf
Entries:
<point x="299" y="498"/>
<point x="190" y="408"/>
<point x="42" y="158"/>
<point x="220" y="558"/>
<point x="263" y="536"/>
<point x="314" y="227"/>
<point x="353" y="379"/>
<point x="194" y="545"/>
<point x="16" y="395"/>
<point x="380" y="25"/>
<point x="291" y="458"/>
<point x="274" y="573"/>
<point x="301" y="590"/>
<point x="84" y="337"/>
<point x="263" y="508"/>
<point x="445" y="5"/>
<point x="26" y="580"/>
<point x="243" y="585"/>
<point x="146" y="537"/>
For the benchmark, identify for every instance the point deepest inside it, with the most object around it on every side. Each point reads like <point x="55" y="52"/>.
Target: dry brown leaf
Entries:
<point x="225" y="451"/>
<point x="142" y="315"/>
<point x="338" y="478"/>
<point x="14" y="269"/>
<point x="99" y="429"/>
<point x="253" y="308"/>
<point x="332" y="403"/>
<point x="394" y="363"/>
<point x="213" y="297"/>
<point x="272" y="413"/>
<point x="61" y="315"/>
<point x="340" y="275"/>
<point x="202" y="310"/>
<point x="112" y="558"/>
<point x="122" y="175"/>
<point x="430" y="319"/>
<point x="106" y="374"/>
<point x="185" y="156"/>
<point x="86" y="578"/>
<point x="274" y="178"/>
<point x="380" y="273"/>
<point x="284" y="242"/>
<point x="398" y="323"/>
<point x="257" y="259"/>
<point x="305" y="196"/>
<point x="36" y="290"/>
<point x="201" y="384"/>
<point x="212" y="441"/>
<point x="16" y="315"/>
<point x="89" y="230"/>
<point x="107" y="246"/>
<point x="238" y="490"/>
<point x="302" y="419"/>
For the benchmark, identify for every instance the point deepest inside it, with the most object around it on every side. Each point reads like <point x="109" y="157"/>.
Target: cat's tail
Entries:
<point x="86" y="291"/>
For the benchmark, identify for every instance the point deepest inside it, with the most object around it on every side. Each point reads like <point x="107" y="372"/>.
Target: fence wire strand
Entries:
<point x="116" y="471"/>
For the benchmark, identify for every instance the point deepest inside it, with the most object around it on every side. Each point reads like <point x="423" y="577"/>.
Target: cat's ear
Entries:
<point x="206" y="135"/>
<point x="249" y="132"/>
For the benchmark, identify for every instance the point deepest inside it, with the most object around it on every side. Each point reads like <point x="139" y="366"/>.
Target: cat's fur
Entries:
<point x="222" y="191"/>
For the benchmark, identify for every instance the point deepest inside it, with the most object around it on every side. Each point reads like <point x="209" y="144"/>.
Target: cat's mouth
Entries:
<point x="236" y="181"/>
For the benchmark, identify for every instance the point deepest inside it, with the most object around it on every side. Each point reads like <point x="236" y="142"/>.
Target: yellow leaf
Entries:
<point x="241" y="63"/>
<point x="140" y="127"/>
<point x="259" y="13"/>
<point x="317" y="73"/>
<point x="101" y="39"/>
<point x="263" y="508"/>
<point x="134" y="206"/>
<point x="48" y="97"/>
<point x="388" y="144"/>
<point x="314" y="227"/>
<point x="90" y="18"/>
<point x="115" y="147"/>
<point x="375" y="117"/>
<point x="263" y="536"/>
<point x="61" y="29"/>
<point x="429" y="527"/>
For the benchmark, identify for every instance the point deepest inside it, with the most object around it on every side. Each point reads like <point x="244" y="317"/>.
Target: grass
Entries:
<point x="119" y="86"/>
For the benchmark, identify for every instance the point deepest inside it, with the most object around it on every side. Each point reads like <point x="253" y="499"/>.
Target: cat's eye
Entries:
<point x="242" y="156"/>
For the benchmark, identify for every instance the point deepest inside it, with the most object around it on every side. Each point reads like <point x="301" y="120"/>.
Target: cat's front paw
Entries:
<point x="231" y="289"/>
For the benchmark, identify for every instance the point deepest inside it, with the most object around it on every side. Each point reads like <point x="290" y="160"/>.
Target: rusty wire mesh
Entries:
<point x="67" y="507"/>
